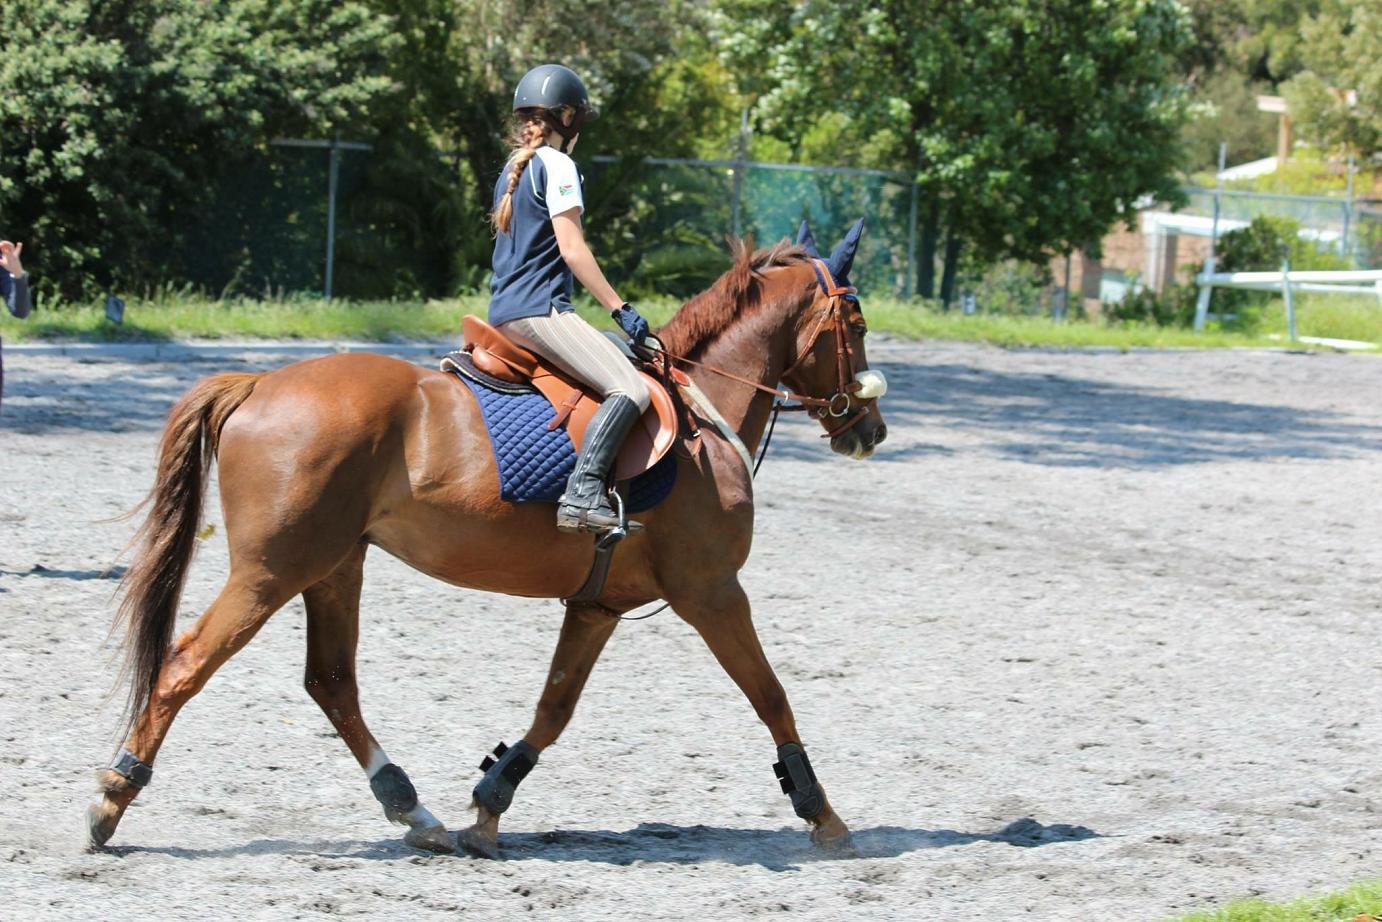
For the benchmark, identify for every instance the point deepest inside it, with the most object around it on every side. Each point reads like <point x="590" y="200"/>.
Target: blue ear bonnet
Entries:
<point x="842" y="258"/>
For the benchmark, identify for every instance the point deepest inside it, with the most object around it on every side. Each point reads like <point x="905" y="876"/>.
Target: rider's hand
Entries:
<point x="9" y="258"/>
<point x="632" y="323"/>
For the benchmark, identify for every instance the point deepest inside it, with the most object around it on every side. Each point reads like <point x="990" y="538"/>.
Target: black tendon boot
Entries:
<point x="585" y="505"/>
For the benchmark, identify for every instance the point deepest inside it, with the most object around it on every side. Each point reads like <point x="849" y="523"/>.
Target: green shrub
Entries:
<point x="1012" y="289"/>
<point x="1261" y="247"/>
<point x="1174" y="307"/>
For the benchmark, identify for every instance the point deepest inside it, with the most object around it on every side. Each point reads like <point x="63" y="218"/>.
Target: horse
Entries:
<point x="322" y="459"/>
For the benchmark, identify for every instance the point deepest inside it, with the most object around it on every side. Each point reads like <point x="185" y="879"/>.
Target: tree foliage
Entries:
<point x="1033" y="125"/>
<point x="117" y="117"/>
<point x="1337" y="99"/>
<point x="1224" y="111"/>
<point x="135" y="135"/>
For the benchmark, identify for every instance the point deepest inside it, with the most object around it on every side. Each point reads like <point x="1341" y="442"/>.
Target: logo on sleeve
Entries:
<point x="566" y="189"/>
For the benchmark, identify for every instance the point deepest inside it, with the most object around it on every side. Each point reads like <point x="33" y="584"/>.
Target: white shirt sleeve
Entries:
<point x="563" y="190"/>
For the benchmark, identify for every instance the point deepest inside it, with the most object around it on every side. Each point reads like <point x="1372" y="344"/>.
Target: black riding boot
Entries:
<point x="585" y="505"/>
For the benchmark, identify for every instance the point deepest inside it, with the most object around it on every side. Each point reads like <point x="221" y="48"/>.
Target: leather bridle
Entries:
<point x="847" y="382"/>
<point x="839" y="404"/>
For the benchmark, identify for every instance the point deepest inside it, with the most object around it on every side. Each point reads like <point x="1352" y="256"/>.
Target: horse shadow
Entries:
<point x="43" y="572"/>
<point x="784" y="849"/>
<point x="39" y="570"/>
<point x="1064" y="420"/>
<point x="48" y="399"/>
<point x="1044" y="418"/>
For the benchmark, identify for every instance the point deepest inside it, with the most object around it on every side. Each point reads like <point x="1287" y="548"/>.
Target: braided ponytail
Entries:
<point x="530" y="133"/>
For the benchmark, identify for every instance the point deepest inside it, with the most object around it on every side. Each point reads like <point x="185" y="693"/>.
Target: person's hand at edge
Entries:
<point x="9" y="258"/>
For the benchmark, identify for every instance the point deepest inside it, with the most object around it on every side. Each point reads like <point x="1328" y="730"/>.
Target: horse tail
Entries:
<point x="153" y="584"/>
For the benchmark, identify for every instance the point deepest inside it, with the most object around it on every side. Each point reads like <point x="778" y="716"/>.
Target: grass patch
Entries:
<point x="1334" y="316"/>
<point x="180" y="317"/>
<point x="202" y="318"/>
<point x="1361" y="900"/>
<point x="906" y="320"/>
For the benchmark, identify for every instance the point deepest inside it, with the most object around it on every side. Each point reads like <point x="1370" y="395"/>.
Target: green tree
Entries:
<point x="1032" y="125"/>
<point x="1239" y="49"/>
<point x="1263" y="37"/>
<point x="118" y="118"/>
<point x="1337" y="100"/>
<point x="646" y="63"/>
<point x="1224" y="110"/>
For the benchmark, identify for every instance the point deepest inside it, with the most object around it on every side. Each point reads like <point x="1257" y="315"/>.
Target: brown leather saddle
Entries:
<point x="499" y="357"/>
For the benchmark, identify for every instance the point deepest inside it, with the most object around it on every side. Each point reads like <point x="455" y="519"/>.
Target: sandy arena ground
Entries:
<point x="1094" y="636"/>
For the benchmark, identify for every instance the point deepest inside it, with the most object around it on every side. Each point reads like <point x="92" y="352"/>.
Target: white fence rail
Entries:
<point x="1321" y="281"/>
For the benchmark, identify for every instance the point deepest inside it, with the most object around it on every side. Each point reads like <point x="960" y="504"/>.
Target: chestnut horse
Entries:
<point x="323" y="458"/>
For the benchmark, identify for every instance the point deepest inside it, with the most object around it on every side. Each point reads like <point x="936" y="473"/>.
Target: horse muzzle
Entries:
<point x="859" y="441"/>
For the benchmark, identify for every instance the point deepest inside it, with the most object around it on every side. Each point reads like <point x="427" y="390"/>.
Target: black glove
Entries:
<point x="632" y="323"/>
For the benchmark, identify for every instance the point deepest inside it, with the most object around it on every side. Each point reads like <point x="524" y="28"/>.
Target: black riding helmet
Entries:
<point x="550" y="88"/>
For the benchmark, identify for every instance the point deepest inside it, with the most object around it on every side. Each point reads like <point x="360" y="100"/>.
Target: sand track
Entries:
<point x="1097" y="637"/>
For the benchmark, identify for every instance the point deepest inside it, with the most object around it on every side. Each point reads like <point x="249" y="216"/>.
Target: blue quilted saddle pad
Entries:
<point x="535" y="462"/>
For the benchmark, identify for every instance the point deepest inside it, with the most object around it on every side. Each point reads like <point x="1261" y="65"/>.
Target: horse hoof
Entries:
<point x="841" y="846"/>
<point x="475" y="842"/>
<point x="832" y="837"/>
<point x="432" y="839"/>
<point x="100" y="825"/>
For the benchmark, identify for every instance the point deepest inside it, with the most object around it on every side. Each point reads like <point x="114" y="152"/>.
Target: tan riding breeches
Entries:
<point x="581" y="351"/>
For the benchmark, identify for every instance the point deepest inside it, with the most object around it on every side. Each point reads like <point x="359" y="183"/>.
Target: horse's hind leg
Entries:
<point x="722" y="617"/>
<point x="333" y="629"/>
<point x="244" y="604"/>
<point x="584" y="633"/>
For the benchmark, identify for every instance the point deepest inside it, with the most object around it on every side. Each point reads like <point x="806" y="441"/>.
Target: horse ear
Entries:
<point x="805" y="240"/>
<point x="843" y="257"/>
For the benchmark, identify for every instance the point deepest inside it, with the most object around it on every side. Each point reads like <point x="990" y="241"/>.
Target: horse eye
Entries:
<point x="859" y="330"/>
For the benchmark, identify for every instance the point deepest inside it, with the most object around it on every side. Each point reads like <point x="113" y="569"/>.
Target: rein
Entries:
<point x="753" y="475"/>
<point x="823" y="406"/>
<point x="837" y="405"/>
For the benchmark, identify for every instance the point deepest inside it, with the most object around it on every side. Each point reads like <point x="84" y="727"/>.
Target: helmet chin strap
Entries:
<point x="568" y="132"/>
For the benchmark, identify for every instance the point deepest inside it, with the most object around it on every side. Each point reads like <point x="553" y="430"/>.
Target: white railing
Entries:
<point x="1343" y="281"/>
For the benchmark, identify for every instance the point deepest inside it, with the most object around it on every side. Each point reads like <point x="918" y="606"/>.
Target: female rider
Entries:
<point x="538" y="247"/>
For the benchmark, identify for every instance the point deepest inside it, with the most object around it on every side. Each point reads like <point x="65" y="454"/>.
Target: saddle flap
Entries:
<point x="652" y="436"/>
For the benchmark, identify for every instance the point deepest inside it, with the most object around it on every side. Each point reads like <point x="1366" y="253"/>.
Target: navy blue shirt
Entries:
<point x="530" y="276"/>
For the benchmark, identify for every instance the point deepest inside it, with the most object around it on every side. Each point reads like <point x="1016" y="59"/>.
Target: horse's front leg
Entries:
<point x="724" y="621"/>
<point x="583" y="635"/>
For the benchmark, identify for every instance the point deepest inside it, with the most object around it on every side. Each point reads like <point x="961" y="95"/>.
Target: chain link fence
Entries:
<point x="269" y="223"/>
<point x="1350" y="227"/>
<point x="304" y="217"/>
<point x="678" y="213"/>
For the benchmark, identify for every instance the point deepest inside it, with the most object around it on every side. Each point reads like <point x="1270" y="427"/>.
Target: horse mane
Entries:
<point x="734" y="294"/>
